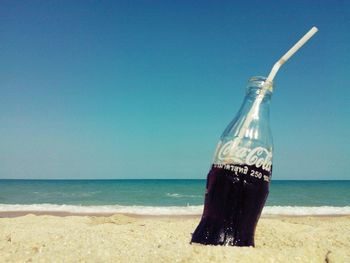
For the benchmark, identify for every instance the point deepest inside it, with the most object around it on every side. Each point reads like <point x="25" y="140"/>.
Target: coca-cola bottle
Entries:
<point x="238" y="182"/>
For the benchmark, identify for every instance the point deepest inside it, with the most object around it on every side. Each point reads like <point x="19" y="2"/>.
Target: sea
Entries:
<point x="164" y="197"/>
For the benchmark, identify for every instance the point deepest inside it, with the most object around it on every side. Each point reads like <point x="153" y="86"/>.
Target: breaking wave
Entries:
<point x="169" y="210"/>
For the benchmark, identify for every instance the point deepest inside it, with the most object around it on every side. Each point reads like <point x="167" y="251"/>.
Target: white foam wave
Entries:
<point x="140" y="210"/>
<point x="169" y="210"/>
<point x="176" y="195"/>
<point x="306" y="210"/>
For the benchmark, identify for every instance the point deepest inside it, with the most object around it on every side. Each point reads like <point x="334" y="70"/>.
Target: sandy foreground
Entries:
<point x="120" y="238"/>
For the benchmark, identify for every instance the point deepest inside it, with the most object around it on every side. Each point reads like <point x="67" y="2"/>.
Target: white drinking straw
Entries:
<point x="290" y="53"/>
<point x="255" y="108"/>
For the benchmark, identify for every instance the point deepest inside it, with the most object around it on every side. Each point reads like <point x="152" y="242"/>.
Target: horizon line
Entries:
<point x="110" y="179"/>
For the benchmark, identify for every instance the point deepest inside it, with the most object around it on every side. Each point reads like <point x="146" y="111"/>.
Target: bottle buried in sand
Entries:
<point x="238" y="182"/>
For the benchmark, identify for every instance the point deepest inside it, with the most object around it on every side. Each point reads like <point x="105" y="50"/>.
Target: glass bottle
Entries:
<point x="238" y="182"/>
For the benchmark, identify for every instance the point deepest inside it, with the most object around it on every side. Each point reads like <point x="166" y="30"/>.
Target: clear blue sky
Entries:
<point x="143" y="89"/>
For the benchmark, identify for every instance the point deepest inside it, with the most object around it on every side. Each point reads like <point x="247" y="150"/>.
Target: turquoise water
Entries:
<point x="158" y="193"/>
<point x="161" y="192"/>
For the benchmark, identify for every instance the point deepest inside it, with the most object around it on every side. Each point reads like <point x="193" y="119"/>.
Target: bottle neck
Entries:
<point x="252" y="120"/>
<point x="253" y="94"/>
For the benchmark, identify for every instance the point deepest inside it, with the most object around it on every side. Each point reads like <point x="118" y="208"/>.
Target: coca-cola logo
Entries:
<point x="232" y="153"/>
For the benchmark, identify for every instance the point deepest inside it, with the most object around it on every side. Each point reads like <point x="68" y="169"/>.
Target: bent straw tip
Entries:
<point x="314" y="29"/>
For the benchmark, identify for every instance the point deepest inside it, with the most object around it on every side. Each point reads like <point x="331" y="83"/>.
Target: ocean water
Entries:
<point x="164" y="197"/>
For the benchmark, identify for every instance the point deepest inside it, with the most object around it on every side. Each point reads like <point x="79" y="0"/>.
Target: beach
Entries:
<point x="134" y="238"/>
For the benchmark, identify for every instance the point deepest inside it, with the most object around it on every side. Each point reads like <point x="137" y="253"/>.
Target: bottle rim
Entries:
<point x="259" y="81"/>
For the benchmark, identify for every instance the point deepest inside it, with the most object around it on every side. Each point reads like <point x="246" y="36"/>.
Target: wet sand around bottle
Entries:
<point x="121" y="238"/>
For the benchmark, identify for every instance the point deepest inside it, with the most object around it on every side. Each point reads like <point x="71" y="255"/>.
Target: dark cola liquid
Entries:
<point x="235" y="196"/>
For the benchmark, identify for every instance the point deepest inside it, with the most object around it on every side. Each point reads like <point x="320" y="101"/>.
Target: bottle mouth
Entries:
<point x="258" y="82"/>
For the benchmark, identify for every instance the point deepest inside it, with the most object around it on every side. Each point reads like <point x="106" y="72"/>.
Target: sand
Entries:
<point x="120" y="238"/>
